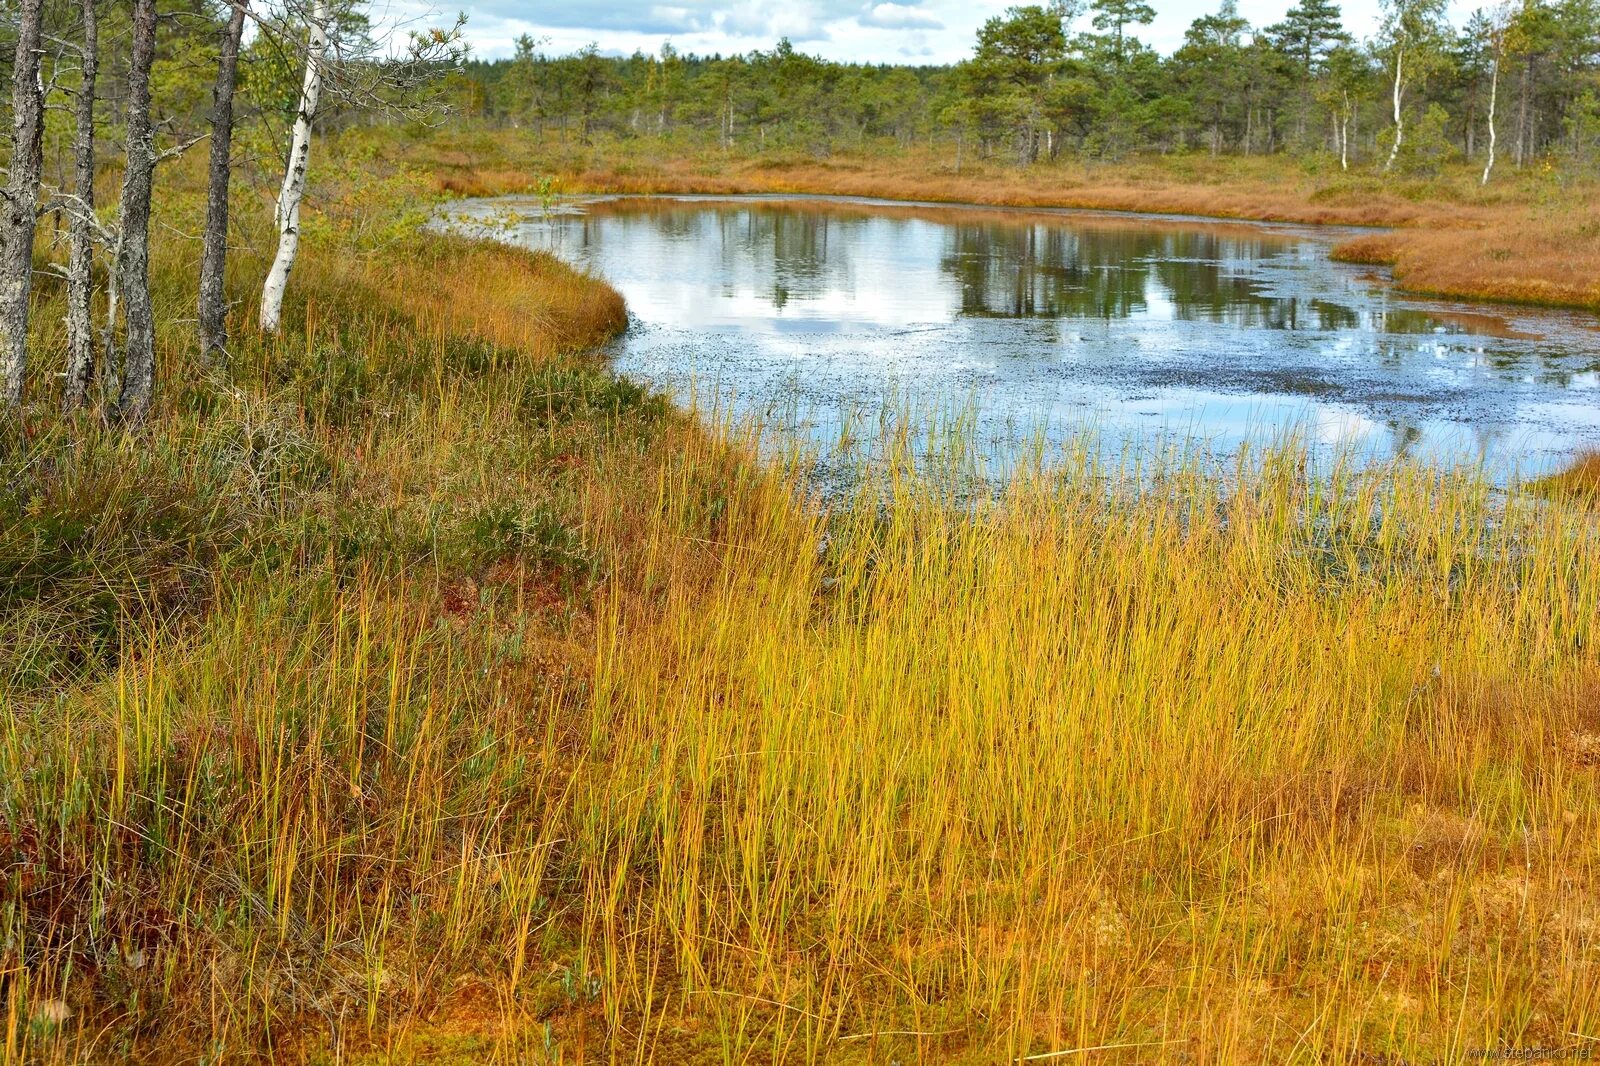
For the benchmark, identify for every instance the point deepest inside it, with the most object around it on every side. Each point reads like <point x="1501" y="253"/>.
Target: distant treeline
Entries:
<point x="1522" y="80"/>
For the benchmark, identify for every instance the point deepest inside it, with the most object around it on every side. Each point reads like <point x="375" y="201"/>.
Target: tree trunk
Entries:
<point x="294" y="175"/>
<point x="1533" y="125"/>
<point x="1399" y="122"/>
<point x="1522" y="116"/>
<point x="213" y="308"/>
<point x="133" y="260"/>
<point x="80" y="256"/>
<point x="1494" y="92"/>
<point x="108" y="336"/>
<point x="19" y="213"/>
<point x="1343" y="130"/>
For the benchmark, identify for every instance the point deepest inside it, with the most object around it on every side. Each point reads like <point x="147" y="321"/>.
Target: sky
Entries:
<point x="875" y="31"/>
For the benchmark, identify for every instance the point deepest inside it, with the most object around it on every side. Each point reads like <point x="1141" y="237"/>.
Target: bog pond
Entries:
<point x="839" y="317"/>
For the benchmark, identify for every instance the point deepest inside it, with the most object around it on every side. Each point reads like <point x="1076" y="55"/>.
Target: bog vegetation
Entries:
<point x="399" y="685"/>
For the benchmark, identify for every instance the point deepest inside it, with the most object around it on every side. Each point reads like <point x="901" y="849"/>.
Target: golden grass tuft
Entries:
<point x="1373" y="249"/>
<point x="504" y="296"/>
<point x="1580" y="480"/>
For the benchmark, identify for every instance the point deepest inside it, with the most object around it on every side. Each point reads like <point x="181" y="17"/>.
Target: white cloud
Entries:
<point x="768" y="20"/>
<point x="684" y="19"/>
<point x="899" y="17"/>
<point x="923" y="31"/>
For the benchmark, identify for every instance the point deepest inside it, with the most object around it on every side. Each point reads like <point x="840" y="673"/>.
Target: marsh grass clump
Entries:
<point x="100" y="526"/>
<point x="559" y="391"/>
<point x="1579" y="482"/>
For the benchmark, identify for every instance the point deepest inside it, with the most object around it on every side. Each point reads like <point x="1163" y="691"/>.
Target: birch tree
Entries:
<point x="19" y="213"/>
<point x="294" y="175"/>
<point x="1339" y="93"/>
<point x="80" y="253"/>
<point x="1497" y="49"/>
<point x="1399" y="116"/>
<point x="213" y="306"/>
<point x="366" y="81"/>
<point x="1410" y="32"/>
<point x="133" y="250"/>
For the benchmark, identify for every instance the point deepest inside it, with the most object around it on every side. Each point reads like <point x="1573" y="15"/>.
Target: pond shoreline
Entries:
<point x="1333" y="230"/>
<point x="1513" y="242"/>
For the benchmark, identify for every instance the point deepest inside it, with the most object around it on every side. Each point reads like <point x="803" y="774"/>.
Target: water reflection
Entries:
<point x="1221" y="331"/>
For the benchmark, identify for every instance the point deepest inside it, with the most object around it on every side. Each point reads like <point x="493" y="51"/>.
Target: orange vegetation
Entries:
<point x="500" y="295"/>
<point x="1550" y="262"/>
<point x="1253" y="194"/>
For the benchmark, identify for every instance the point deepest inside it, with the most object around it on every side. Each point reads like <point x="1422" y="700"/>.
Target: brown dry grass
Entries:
<point x="1238" y="189"/>
<point x="1514" y="258"/>
<point x="497" y="294"/>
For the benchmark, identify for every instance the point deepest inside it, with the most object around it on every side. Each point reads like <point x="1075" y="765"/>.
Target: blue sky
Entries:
<point x="886" y="31"/>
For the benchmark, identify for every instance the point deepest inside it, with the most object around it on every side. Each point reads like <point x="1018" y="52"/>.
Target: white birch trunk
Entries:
<point x="110" y="359"/>
<point x="294" y="176"/>
<point x="1494" y="92"/>
<point x="1344" y="132"/>
<point x="1399" y="123"/>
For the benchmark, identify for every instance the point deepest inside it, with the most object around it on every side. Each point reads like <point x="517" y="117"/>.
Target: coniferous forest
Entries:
<point x="1411" y="93"/>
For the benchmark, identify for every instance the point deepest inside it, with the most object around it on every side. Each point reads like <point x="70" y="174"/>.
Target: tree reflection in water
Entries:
<point x="1221" y="330"/>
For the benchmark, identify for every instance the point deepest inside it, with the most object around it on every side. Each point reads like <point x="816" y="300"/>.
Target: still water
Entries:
<point x="821" y="314"/>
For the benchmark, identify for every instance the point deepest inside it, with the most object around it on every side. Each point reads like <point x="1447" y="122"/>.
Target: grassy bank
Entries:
<point x="1531" y="236"/>
<point x="420" y="692"/>
<point x="1546" y="259"/>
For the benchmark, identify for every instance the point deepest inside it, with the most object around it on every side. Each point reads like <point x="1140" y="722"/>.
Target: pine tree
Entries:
<point x="1309" y="31"/>
<point x="1115" y="15"/>
<point x="133" y="262"/>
